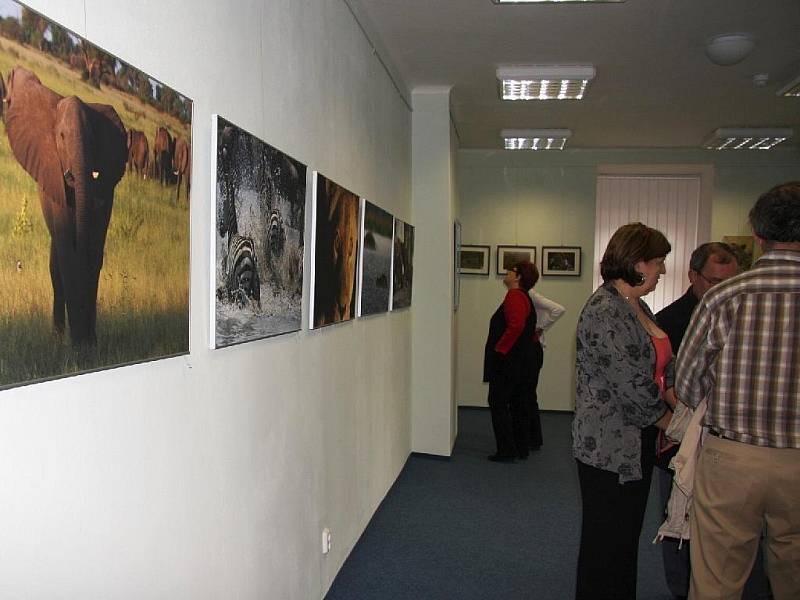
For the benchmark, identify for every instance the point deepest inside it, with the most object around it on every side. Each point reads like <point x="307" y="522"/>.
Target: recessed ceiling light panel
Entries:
<point x="552" y="1"/>
<point x="791" y="89"/>
<point x="535" y="139"/>
<point x="544" y="82"/>
<point x="729" y="138"/>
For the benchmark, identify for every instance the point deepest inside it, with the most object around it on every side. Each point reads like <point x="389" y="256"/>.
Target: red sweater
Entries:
<point x="516" y="308"/>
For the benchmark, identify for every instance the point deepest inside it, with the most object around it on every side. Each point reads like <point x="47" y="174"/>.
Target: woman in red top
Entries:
<point x="508" y="364"/>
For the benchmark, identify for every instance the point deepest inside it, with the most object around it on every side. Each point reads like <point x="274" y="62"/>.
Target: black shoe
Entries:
<point x="501" y="457"/>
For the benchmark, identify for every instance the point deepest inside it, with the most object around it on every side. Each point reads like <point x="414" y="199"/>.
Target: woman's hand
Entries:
<point x="670" y="398"/>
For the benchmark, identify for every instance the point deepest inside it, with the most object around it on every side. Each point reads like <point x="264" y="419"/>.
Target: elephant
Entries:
<point x="182" y="165"/>
<point x="163" y="147"/>
<point x="76" y="152"/>
<point x="3" y="97"/>
<point x="138" y="153"/>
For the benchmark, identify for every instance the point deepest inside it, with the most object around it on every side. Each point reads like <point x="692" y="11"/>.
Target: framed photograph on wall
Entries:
<point x="258" y="233"/>
<point x="508" y="256"/>
<point x="375" y="271"/>
<point x="109" y="287"/>
<point x="561" y="260"/>
<point x="456" y="263"/>
<point x="745" y="248"/>
<point x="474" y="260"/>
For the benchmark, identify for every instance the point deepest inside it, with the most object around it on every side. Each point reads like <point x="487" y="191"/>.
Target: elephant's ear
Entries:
<point x="110" y="143"/>
<point x="30" y="123"/>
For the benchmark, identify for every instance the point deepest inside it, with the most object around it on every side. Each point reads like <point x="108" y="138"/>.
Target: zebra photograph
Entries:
<point x="259" y="228"/>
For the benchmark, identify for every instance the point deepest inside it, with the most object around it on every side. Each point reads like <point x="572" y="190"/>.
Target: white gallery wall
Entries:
<point x="548" y="199"/>
<point x="212" y="475"/>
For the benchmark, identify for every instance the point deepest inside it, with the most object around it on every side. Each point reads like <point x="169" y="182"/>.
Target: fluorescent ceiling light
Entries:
<point x="535" y="139"/>
<point x="791" y="89"/>
<point x="729" y="138"/>
<point x="551" y="1"/>
<point x="544" y="82"/>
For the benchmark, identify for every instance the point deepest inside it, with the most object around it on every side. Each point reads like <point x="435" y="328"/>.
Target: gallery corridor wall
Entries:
<point x="535" y="199"/>
<point x="211" y="475"/>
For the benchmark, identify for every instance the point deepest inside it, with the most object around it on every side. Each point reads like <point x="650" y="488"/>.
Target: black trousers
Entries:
<point x="612" y="521"/>
<point x="535" y="438"/>
<point x="508" y="404"/>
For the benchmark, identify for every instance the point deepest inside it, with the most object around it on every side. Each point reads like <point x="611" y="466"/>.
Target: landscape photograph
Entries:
<point x="376" y="259"/>
<point x="95" y="170"/>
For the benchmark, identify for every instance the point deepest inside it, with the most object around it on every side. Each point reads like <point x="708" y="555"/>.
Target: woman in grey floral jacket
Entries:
<point x="624" y="376"/>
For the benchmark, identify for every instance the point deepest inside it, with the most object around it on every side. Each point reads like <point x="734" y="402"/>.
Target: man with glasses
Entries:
<point x="710" y="264"/>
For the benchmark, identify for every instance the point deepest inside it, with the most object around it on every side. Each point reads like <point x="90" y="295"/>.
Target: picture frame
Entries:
<point x="474" y="260"/>
<point x="561" y="260"/>
<point x="508" y="256"/>
<point x="456" y="263"/>
<point x="745" y="248"/>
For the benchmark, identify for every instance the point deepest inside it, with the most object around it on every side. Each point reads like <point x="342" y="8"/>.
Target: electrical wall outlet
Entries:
<point x="326" y="540"/>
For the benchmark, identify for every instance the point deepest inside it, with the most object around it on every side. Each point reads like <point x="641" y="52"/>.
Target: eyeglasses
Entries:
<point x="713" y="281"/>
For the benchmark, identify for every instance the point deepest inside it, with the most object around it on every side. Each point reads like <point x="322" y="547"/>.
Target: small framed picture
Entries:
<point x="561" y="260"/>
<point x="508" y="256"/>
<point x="473" y="260"/>
<point x="744" y="248"/>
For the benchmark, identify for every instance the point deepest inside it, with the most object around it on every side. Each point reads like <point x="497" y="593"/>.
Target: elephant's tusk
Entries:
<point x="95" y="174"/>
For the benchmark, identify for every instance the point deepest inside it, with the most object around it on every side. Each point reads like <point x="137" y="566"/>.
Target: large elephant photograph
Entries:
<point x="94" y="249"/>
<point x="259" y="229"/>
<point x="403" y="264"/>
<point x="335" y="240"/>
<point x="376" y="260"/>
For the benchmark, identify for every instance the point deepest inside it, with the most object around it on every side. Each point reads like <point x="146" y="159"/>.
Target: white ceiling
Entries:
<point x="654" y="87"/>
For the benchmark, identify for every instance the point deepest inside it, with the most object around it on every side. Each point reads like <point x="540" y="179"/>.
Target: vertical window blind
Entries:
<point x="668" y="203"/>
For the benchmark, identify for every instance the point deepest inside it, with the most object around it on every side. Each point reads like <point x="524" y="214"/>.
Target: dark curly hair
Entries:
<point x="528" y="274"/>
<point x="775" y="217"/>
<point x="630" y="244"/>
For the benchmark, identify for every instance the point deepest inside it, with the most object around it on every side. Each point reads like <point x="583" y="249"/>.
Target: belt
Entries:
<point x="719" y="435"/>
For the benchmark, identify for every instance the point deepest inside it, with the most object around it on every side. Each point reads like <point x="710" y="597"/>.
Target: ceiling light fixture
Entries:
<point x="544" y="82"/>
<point x="730" y="138"/>
<point x="552" y="1"/>
<point x="791" y="89"/>
<point x="729" y="48"/>
<point x="535" y="139"/>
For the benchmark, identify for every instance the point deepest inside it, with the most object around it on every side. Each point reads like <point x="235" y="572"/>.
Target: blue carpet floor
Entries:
<point x="466" y="528"/>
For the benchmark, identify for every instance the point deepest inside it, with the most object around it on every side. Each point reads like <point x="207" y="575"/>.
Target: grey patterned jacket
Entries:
<point x="615" y="394"/>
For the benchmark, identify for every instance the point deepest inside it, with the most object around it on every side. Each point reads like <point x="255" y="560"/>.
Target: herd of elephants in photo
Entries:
<point x="102" y="143"/>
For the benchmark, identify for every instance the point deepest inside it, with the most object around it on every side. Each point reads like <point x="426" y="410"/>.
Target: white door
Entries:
<point x="669" y="203"/>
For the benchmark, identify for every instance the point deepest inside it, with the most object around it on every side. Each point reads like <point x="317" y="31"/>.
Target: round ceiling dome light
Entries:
<point x="729" y="48"/>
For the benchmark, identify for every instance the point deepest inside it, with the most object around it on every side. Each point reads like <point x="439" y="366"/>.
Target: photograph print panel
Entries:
<point x="260" y="197"/>
<point x="109" y="203"/>
<point x="376" y="259"/>
<point x="561" y="260"/>
<point x="473" y="260"/>
<point x="402" y="265"/>
<point x="508" y="256"/>
<point x="335" y="239"/>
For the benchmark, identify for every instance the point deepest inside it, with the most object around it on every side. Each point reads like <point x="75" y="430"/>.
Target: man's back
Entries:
<point x="744" y="348"/>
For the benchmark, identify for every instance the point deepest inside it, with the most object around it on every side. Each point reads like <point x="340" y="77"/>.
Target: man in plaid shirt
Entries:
<point x="742" y="353"/>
